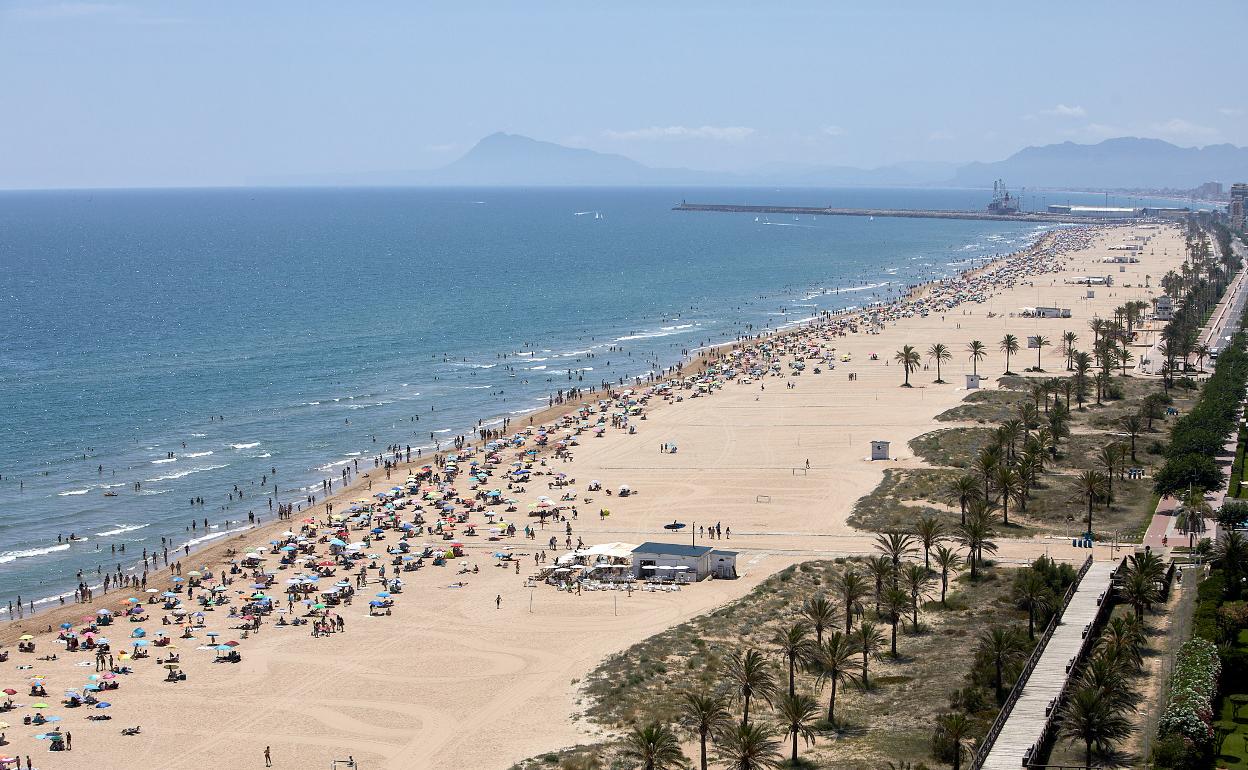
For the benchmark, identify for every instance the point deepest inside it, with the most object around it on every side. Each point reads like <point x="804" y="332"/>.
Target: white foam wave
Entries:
<point x="120" y="529"/>
<point x="198" y="454"/>
<point x="187" y="472"/>
<point x="69" y="492"/>
<point x="165" y="460"/>
<point x="214" y="535"/>
<point x="261" y="456"/>
<point x="252" y="445"/>
<point x="8" y="556"/>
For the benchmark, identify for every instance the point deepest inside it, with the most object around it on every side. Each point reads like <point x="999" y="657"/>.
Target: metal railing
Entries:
<point x="1016" y="692"/>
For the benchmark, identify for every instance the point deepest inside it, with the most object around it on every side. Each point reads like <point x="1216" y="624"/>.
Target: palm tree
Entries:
<point x="930" y="531"/>
<point x="1002" y="646"/>
<point x="1192" y="514"/>
<point x="1009" y="346"/>
<point x="1083" y="366"/>
<point x="977" y="352"/>
<point x="1202" y="352"/>
<point x="939" y="352"/>
<point x="1107" y="458"/>
<point x="918" y="582"/>
<point x="1006" y="482"/>
<point x="1124" y="358"/>
<point x="909" y="359"/>
<point x="705" y="714"/>
<point x="881" y="569"/>
<point x="1089" y="487"/>
<point x="895" y="545"/>
<point x="1139" y="590"/>
<point x="948" y="561"/>
<point x="752" y="677"/>
<point x="821" y="613"/>
<point x="961" y="491"/>
<point x="795" y="646"/>
<point x="1123" y="639"/>
<point x="1068" y="347"/>
<point x="985" y="464"/>
<point x="1042" y="342"/>
<point x="1133" y="426"/>
<point x="955" y="728"/>
<point x="1091" y="718"/>
<point x="797" y="714"/>
<point x="655" y="747"/>
<point x="748" y="747"/>
<point x="853" y="588"/>
<point x="975" y="535"/>
<point x="833" y="665"/>
<point x="895" y="603"/>
<point x="867" y="640"/>
<point x="1033" y="594"/>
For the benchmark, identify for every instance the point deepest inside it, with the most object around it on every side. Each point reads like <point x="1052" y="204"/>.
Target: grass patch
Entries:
<point x="986" y="406"/>
<point x="890" y="722"/>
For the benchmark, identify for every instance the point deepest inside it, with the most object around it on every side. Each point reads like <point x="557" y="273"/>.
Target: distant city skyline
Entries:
<point x="130" y="94"/>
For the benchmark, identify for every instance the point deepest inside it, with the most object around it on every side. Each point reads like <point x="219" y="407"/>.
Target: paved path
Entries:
<point x="1026" y="722"/>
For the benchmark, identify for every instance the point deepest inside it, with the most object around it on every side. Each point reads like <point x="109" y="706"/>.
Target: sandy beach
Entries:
<point x="453" y="678"/>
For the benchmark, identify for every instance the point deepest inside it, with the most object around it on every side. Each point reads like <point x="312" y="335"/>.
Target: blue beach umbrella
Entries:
<point x="103" y="704"/>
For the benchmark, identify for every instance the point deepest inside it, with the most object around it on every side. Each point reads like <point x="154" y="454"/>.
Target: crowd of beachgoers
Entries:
<point x="351" y="551"/>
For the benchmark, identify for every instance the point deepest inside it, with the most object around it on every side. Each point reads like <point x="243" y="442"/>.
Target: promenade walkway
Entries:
<point x="1026" y="722"/>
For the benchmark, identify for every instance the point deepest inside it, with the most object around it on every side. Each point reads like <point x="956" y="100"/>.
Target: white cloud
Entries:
<point x="834" y="131"/>
<point x="67" y="10"/>
<point x="667" y="133"/>
<point x="1180" y="129"/>
<point x="1065" y="111"/>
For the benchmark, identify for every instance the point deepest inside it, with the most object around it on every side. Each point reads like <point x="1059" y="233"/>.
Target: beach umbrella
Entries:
<point x="67" y="626"/>
<point x="103" y="704"/>
<point x="9" y="691"/>
<point x="223" y="648"/>
<point x="169" y="595"/>
<point x="92" y="688"/>
<point x="39" y="706"/>
<point x="383" y="594"/>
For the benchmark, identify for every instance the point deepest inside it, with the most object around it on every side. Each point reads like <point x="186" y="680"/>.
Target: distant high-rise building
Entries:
<point x="1239" y="202"/>
<point x="1209" y="190"/>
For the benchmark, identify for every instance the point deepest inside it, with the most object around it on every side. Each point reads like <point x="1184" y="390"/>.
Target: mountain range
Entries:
<point x="1124" y="163"/>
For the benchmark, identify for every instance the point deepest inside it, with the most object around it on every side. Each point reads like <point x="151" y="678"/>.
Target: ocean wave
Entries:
<point x="477" y="387"/>
<point x="187" y="472"/>
<point x="150" y="492"/>
<point x="213" y="536"/>
<point x="262" y="456"/>
<point x="666" y="331"/>
<point x="70" y="492"/>
<point x="473" y="366"/>
<point x="198" y="454"/>
<point x="866" y="287"/>
<point x="198" y="435"/>
<point x="252" y="445"/>
<point x="8" y="556"/>
<point x="120" y="529"/>
<point x="537" y="368"/>
<point x="165" y="460"/>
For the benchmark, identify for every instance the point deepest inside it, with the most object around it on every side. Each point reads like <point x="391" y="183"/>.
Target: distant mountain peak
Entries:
<point x="1124" y="162"/>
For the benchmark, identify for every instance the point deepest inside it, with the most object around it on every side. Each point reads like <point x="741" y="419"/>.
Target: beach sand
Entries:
<point x="449" y="681"/>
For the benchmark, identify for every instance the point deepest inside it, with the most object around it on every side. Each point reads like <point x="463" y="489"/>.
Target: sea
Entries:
<point x="167" y="345"/>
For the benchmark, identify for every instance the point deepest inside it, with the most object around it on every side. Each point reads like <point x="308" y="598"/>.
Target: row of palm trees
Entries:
<point x="825" y="643"/>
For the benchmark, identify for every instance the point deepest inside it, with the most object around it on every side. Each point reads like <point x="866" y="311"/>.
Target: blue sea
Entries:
<point x="194" y="341"/>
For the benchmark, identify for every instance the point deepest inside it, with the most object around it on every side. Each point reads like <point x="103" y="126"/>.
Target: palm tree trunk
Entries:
<point x="745" y="711"/>
<point x="944" y="585"/>
<point x="894" y="642"/>
<point x="832" y="704"/>
<point x="703" y="737"/>
<point x="792" y="673"/>
<point x="795" y="748"/>
<point x="866" y="683"/>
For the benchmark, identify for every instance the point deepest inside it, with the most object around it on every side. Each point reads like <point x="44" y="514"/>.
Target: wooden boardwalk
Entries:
<point x="1026" y="722"/>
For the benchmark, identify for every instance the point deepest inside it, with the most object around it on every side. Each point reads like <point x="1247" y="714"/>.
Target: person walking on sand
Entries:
<point x="268" y="759"/>
<point x="498" y="602"/>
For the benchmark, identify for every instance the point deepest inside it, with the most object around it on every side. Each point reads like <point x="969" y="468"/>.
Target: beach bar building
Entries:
<point x="669" y="561"/>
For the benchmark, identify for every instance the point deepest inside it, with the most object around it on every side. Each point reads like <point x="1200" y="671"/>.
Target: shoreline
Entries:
<point x="698" y="360"/>
<point x="491" y="675"/>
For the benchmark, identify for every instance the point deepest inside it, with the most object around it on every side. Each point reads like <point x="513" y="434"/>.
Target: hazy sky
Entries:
<point x="224" y="91"/>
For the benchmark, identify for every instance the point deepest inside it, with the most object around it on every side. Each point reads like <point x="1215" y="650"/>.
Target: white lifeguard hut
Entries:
<point x="879" y="450"/>
<point x="972" y="381"/>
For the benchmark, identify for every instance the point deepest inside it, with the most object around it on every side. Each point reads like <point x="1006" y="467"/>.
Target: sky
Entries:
<point x="230" y="92"/>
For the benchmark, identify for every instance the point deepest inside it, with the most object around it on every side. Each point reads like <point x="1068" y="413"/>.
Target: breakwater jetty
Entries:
<point x="903" y="213"/>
